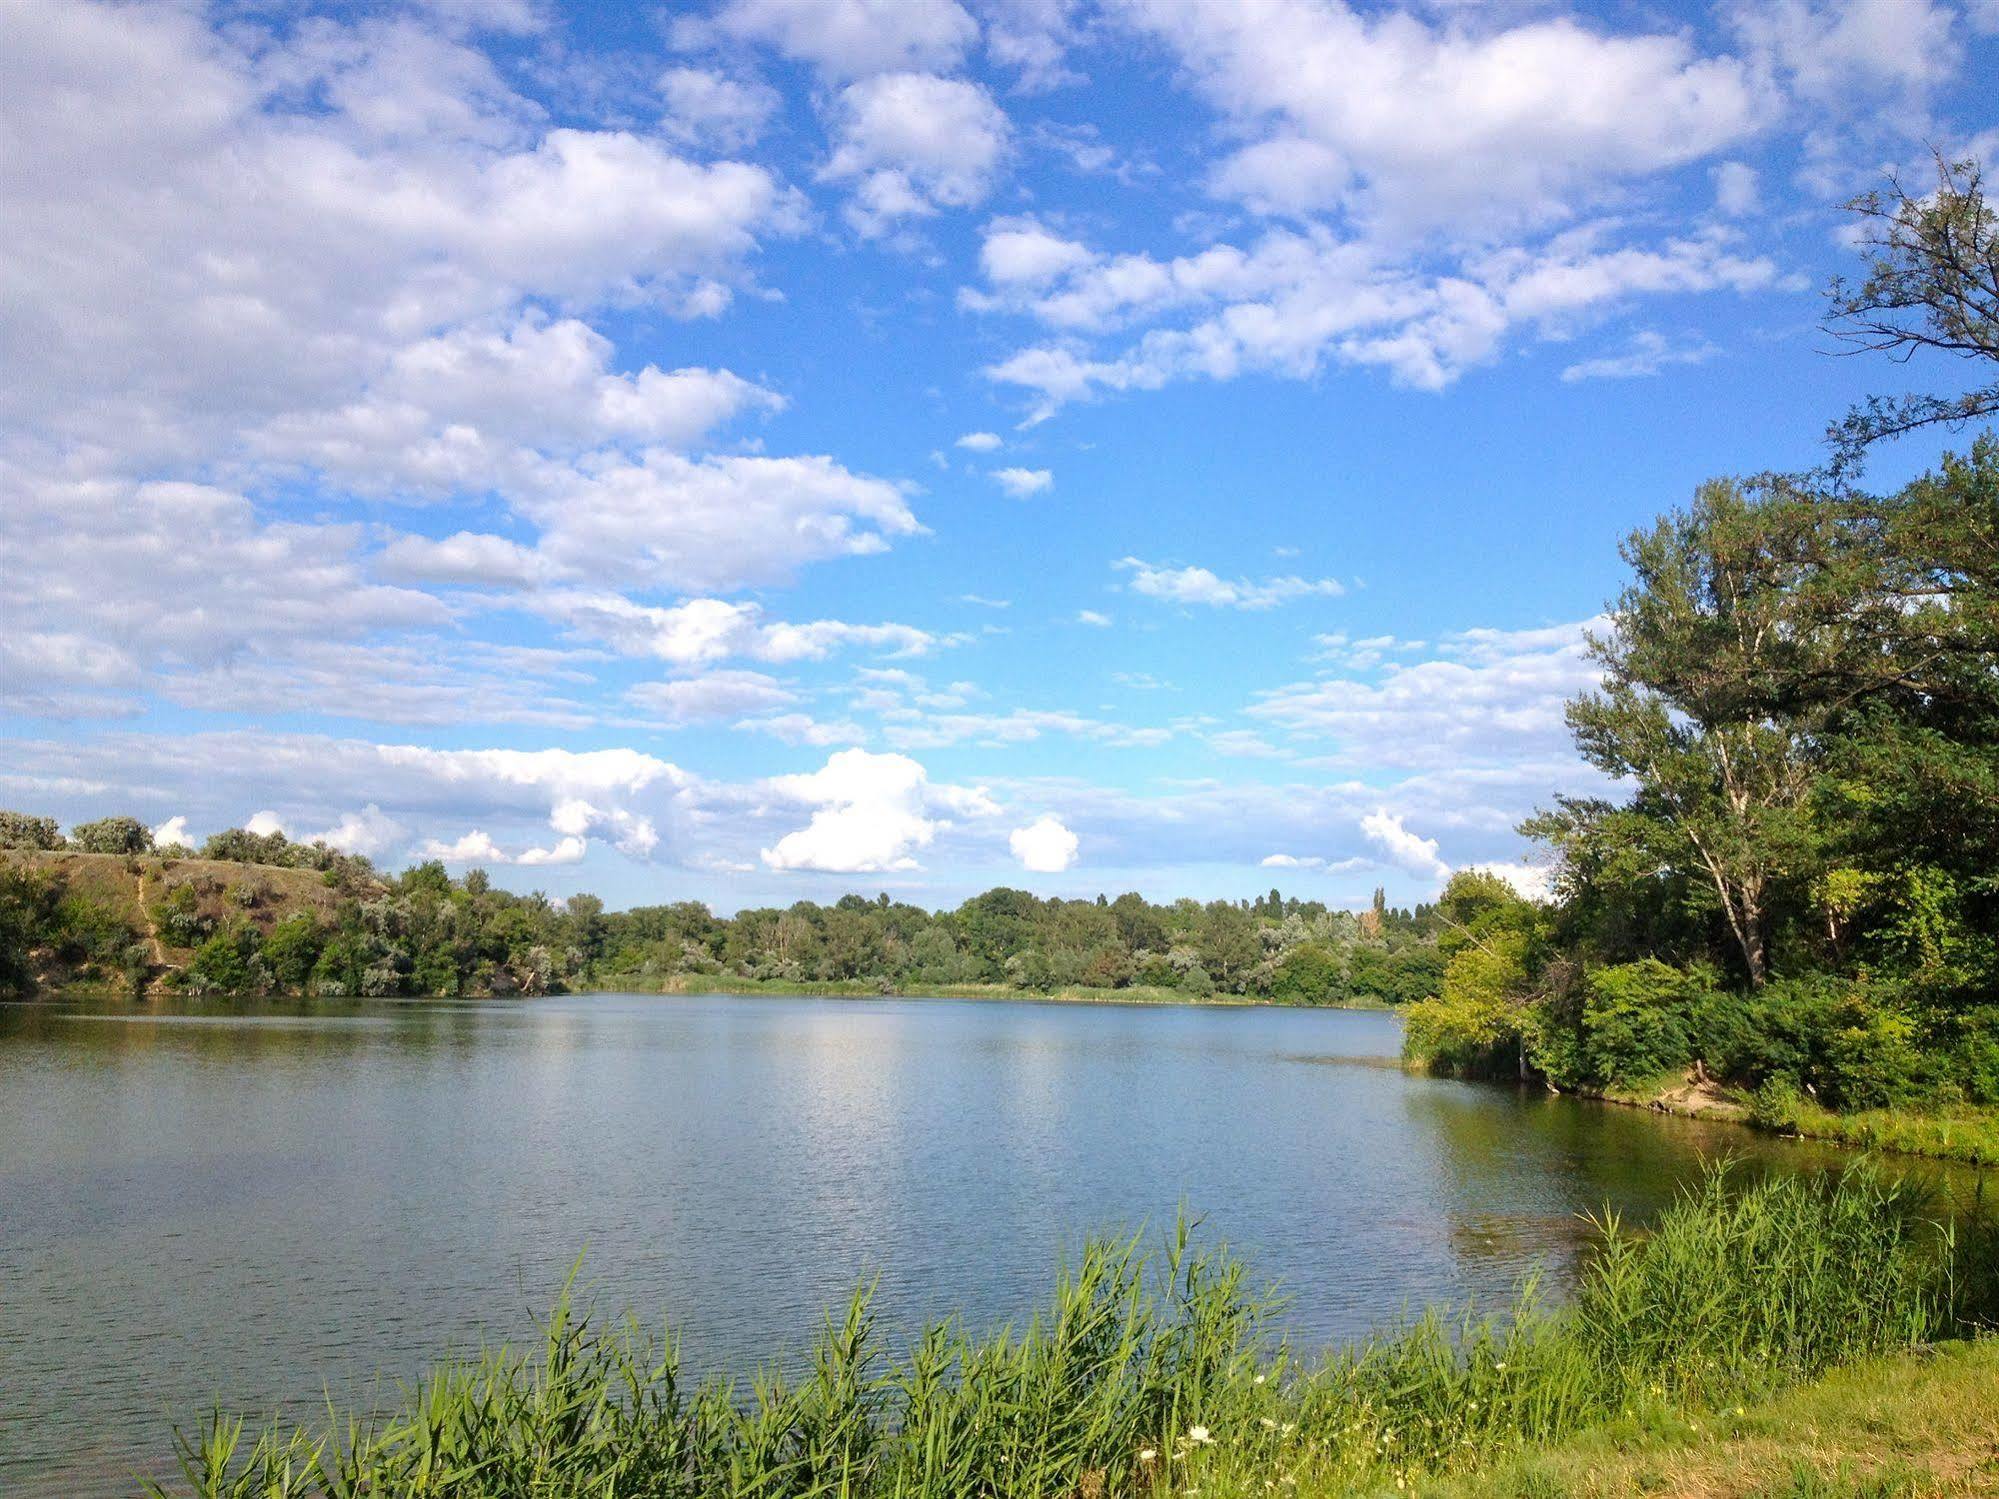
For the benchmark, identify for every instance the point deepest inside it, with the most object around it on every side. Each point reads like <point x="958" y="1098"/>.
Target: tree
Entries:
<point x="20" y="831"/>
<point x="1932" y="284"/>
<point x="1700" y="707"/>
<point x="112" y="835"/>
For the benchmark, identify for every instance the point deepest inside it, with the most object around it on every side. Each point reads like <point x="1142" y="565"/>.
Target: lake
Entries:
<point x="256" y="1205"/>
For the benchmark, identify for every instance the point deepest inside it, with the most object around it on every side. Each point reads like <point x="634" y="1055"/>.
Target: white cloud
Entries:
<point x="1093" y="618"/>
<point x="707" y="108"/>
<point x="1648" y="353"/>
<point x="1841" y="52"/>
<point x="912" y="143"/>
<point x="134" y="579"/>
<point x="715" y="694"/>
<point x="698" y="632"/>
<point x="1018" y="252"/>
<point x="1416" y="124"/>
<point x="192" y="256"/>
<point x="1735" y="188"/>
<point x="1022" y="482"/>
<point x="802" y="728"/>
<point x="1485" y="696"/>
<point x="979" y="442"/>
<point x="666" y="521"/>
<point x="851" y="38"/>
<point x="1044" y="845"/>
<point x="1296" y="300"/>
<point x="1197" y="585"/>
<point x="462" y="557"/>
<point x="1016" y="726"/>
<point x="171" y="832"/>
<point x="872" y="813"/>
<point x="479" y="408"/>
<point x="369" y="833"/>
<point x="1405" y="849"/>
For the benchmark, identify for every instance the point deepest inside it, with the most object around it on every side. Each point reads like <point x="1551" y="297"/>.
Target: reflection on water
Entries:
<point x="253" y="1206"/>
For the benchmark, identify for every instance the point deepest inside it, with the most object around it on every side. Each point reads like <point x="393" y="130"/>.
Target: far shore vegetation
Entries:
<point x="1157" y="1375"/>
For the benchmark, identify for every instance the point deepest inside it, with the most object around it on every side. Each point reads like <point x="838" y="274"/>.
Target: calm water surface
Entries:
<point x="253" y="1206"/>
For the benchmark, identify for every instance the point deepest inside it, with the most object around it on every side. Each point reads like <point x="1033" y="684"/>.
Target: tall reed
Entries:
<point x="1148" y="1375"/>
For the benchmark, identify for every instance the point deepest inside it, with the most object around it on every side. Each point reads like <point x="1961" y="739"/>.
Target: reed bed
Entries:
<point x="1158" y="1374"/>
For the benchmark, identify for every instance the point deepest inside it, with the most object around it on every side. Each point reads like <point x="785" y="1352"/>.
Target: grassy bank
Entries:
<point x="1960" y="1133"/>
<point x="1905" y="1426"/>
<point x="1148" y="1378"/>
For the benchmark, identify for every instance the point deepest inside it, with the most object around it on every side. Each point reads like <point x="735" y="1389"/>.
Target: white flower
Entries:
<point x="1198" y="1435"/>
<point x="1146" y="1455"/>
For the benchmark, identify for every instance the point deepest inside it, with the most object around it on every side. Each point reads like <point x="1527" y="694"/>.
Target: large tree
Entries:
<point x="1932" y="284"/>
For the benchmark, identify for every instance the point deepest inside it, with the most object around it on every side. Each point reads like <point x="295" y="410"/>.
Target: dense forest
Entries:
<point x="1800" y="689"/>
<point x="223" y="921"/>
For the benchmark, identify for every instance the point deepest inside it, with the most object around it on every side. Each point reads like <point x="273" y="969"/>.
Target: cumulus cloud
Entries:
<point x="1020" y="483"/>
<point x="872" y="813"/>
<point x="1420" y="124"/>
<point x="979" y="442"/>
<point x="1044" y="845"/>
<point x="1407" y="850"/>
<point x="1021" y="252"/>
<point x="477" y="409"/>
<point x="234" y="260"/>
<point x="1197" y="585"/>
<point x="1838" y="52"/>
<point x="850" y="38"/>
<point x="667" y="521"/>
<point x="912" y="143"/>
<point x="712" y="109"/>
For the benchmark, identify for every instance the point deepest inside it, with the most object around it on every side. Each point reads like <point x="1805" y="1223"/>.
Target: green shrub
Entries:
<point x="112" y="835"/>
<point x="230" y="962"/>
<point x="1636" y="1021"/>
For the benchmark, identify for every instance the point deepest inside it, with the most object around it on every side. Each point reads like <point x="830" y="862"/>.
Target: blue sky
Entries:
<point x="765" y="449"/>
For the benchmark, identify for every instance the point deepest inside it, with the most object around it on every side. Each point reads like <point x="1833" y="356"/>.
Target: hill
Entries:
<point x="125" y="922"/>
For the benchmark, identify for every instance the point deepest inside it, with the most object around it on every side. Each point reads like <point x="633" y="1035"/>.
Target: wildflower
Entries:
<point x="1268" y="1424"/>
<point x="1198" y="1435"/>
<point x="1259" y="1379"/>
<point x="1146" y="1455"/>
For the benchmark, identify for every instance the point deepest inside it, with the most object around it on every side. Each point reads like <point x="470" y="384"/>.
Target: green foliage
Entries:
<point x="1636" y="1022"/>
<point x="230" y="962"/>
<point x="1144" y="1378"/>
<point x="112" y="835"/>
<point x="19" y="830"/>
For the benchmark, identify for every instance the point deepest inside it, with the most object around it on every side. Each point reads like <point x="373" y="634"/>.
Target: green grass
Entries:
<point x="1902" y="1426"/>
<point x="1950" y="1134"/>
<point x="1149" y="1377"/>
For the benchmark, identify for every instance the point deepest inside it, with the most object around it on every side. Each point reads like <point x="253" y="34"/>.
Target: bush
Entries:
<point x="1844" y="1043"/>
<point x="112" y="835"/>
<point x="21" y="831"/>
<point x="1309" y="975"/>
<point x="1636" y="1021"/>
<point x="230" y="962"/>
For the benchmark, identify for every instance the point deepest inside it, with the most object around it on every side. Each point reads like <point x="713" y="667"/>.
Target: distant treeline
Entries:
<point x="189" y="920"/>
